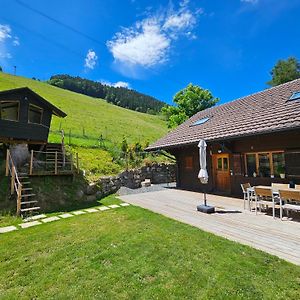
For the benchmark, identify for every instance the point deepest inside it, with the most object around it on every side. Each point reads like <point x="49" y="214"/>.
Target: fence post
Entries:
<point x="12" y="180"/>
<point x="19" y="196"/>
<point x="55" y="167"/>
<point x="31" y="163"/>
<point x="77" y="163"/>
<point x="71" y="161"/>
<point x="7" y="163"/>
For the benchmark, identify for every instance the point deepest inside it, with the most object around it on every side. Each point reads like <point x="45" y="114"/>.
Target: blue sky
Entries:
<point x="156" y="47"/>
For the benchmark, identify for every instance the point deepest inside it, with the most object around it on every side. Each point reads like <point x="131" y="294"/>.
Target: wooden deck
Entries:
<point x="280" y="238"/>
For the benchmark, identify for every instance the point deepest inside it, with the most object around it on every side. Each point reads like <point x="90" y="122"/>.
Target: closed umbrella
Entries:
<point x="203" y="176"/>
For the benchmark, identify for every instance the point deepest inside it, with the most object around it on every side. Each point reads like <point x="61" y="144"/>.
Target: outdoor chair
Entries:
<point x="244" y="187"/>
<point x="277" y="186"/>
<point x="264" y="196"/>
<point x="291" y="201"/>
<point x="297" y="186"/>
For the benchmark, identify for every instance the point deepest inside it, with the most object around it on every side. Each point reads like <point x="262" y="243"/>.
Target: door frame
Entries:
<point x="215" y="158"/>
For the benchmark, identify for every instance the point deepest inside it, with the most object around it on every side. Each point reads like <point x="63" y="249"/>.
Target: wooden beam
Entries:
<point x="19" y="197"/>
<point x="31" y="163"/>
<point x="7" y="163"/>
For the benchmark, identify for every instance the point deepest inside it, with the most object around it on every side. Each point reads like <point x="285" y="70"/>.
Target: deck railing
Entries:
<point x="51" y="163"/>
<point x="15" y="184"/>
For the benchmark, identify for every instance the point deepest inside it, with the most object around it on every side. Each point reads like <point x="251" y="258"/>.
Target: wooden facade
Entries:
<point x="227" y="165"/>
<point x="25" y="116"/>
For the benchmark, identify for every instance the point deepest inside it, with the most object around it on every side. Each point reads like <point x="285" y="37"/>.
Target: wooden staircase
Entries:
<point x="28" y="204"/>
<point x="21" y="187"/>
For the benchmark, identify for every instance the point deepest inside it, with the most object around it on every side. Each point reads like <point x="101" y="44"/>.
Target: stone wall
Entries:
<point x="157" y="173"/>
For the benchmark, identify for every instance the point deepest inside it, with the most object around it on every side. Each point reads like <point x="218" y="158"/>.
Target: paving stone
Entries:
<point x="8" y="229"/>
<point x="37" y="217"/>
<point x="114" y="206"/>
<point x="30" y="224"/>
<point x="50" y="219"/>
<point x="67" y="215"/>
<point x="125" y="204"/>
<point x="91" y="210"/>
<point x="78" y="212"/>
<point x="102" y="208"/>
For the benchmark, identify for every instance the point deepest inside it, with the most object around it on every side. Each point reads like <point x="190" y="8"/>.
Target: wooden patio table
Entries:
<point x="250" y="191"/>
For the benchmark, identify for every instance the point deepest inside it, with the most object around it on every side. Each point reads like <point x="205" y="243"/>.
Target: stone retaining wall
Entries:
<point x="157" y="173"/>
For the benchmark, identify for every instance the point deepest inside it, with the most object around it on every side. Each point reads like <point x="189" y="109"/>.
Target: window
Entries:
<point x="35" y="114"/>
<point x="201" y="121"/>
<point x="295" y="96"/>
<point x="251" y="164"/>
<point x="265" y="164"/>
<point x="188" y="163"/>
<point x="278" y="163"/>
<point x="222" y="164"/>
<point x="9" y="110"/>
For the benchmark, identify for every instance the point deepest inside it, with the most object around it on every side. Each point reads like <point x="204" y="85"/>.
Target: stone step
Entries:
<point x="27" y="189"/>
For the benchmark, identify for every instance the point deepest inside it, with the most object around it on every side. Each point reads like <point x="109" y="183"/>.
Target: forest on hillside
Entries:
<point x="120" y="96"/>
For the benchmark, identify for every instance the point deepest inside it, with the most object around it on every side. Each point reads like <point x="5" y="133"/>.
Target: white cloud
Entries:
<point x="6" y="39"/>
<point x="250" y="1"/>
<point x="5" y="32"/>
<point x="90" y="60"/>
<point x="16" y="41"/>
<point x="148" y="42"/>
<point x="117" y="84"/>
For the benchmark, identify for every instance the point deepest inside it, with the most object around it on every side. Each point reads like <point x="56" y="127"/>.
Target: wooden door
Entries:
<point x="221" y="172"/>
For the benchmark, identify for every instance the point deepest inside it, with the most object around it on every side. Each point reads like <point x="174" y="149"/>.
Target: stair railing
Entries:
<point x="63" y="147"/>
<point x="15" y="184"/>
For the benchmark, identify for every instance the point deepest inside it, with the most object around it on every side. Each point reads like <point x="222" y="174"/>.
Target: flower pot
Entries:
<point x="282" y="176"/>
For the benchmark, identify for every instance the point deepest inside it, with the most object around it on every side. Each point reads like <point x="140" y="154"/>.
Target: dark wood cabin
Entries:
<point x="25" y="116"/>
<point x="253" y="139"/>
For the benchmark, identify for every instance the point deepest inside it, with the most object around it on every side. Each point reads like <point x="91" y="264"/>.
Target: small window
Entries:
<point x="201" y="121"/>
<point x="220" y="167"/>
<point x="188" y="163"/>
<point x="9" y="110"/>
<point x="295" y="96"/>
<point x="35" y="114"/>
<point x="251" y="164"/>
<point x="264" y="164"/>
<point x="225" y="163"/>
<point x="278" y="163"/>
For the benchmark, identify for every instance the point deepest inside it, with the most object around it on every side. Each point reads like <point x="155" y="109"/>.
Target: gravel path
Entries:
<point x="153" y="188"/>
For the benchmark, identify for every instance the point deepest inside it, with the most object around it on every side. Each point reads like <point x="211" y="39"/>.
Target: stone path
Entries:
<point x="280" y="238"/>
<point x="40" y="219"/>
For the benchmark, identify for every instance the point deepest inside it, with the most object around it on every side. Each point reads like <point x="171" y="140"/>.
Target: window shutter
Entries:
<point x="292" y="162"/>
<point x="237" y="165"/>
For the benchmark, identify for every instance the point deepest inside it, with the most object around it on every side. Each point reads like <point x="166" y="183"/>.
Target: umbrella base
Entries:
<point x="206" y="209"/>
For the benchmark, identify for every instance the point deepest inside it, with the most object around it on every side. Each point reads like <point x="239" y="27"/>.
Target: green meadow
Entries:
<point x="93" y="127"/>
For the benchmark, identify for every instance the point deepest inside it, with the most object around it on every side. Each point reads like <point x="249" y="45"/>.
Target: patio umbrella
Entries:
<point x="203" y="176"/>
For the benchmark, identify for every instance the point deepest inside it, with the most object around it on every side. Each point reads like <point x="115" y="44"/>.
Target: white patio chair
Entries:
<point x="264" y="196"/>
<point x="279" y="186"/>
<point x="244" y="187"/>
<point x="291" y="201"/>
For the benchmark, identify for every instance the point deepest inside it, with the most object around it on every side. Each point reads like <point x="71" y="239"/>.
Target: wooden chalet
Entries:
<point x="25" y="116"/>
<point x="253" y="139"/>
<point x="25" y="119"/>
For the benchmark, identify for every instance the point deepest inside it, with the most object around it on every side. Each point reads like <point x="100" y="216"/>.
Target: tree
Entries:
<point x="285" y="71"/>
<point x="1" y="70"/>
<point x="189" y="101"/>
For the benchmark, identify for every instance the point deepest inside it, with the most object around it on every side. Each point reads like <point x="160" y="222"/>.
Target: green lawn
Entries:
<point x="131" y="253"/>
<point x="88" y="118"/>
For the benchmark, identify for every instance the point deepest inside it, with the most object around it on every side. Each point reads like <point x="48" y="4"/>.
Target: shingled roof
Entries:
<point x="263" y="112"/>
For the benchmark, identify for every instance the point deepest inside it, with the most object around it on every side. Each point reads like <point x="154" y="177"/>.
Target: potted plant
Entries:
<point x="281" y="171"/>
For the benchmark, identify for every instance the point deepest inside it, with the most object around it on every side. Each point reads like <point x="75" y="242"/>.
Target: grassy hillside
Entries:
<point x="88" y="119"/>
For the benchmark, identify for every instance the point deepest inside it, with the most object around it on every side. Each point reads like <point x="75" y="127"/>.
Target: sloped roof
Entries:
<point x="56" y="111"/>
<point x="263" y="112"/>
